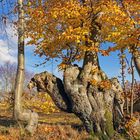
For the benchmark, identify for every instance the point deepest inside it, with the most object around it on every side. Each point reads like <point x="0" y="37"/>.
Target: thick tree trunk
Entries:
<point x="94" y="106"/>
<point x="19" y="114"/>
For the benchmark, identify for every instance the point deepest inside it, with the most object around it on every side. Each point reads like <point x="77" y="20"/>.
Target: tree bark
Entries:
<point x="49" y="84"/>
<point x="132" y="88"/>
<point x="137" y="63"/>
<point x="19" y="113"/>
<point x="92" y="105"/>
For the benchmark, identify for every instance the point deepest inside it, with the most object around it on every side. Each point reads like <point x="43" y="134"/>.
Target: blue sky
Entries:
<point x="110" y="64"/>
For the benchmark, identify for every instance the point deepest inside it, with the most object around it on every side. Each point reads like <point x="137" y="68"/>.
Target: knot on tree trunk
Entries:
<point x="92" y="104"/>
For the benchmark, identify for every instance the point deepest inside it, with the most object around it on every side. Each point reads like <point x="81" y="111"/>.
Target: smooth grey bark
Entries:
<point x="132" y="88"/>
<point x="19" y="113"/>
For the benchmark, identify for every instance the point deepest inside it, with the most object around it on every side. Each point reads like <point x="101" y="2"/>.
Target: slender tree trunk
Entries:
<point x="20" y="68"/>
<point x="132" y="88"/>
<point x="123" y="67"/>
<point x="135" y="49"/>
<point x="19" y="113"/>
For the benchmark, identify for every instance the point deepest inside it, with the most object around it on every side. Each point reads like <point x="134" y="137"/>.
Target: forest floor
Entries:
<point x="55" y="126"/>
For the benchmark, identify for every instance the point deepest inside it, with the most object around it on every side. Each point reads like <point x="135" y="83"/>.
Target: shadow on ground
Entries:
<point x="61" y="119"/>
<point x="7" y="121"/>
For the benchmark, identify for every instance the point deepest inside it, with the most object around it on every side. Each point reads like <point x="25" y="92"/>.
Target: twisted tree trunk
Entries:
<point x="19" y="113"/>
<point x="92" y="104"/>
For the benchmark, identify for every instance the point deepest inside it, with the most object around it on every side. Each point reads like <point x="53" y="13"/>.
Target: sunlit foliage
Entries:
<point x="62" y="29"/>
<point x="40" y="103"/>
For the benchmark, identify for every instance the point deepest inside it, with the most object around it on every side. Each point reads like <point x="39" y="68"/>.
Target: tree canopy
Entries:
<point x="62" y="29"/>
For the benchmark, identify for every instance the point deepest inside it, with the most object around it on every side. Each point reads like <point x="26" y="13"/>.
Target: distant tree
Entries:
<point x="7" y="76"/>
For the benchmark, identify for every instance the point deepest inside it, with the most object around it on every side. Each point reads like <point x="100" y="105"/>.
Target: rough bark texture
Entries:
<point x="92" y="105"/>
<point x="19" y="113"/>
<point x="46" y="82"/>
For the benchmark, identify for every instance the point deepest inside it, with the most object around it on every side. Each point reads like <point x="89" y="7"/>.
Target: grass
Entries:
<point x="56" y="126"/>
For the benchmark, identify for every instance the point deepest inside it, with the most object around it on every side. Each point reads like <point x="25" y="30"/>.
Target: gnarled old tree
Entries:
<point x="19" y="113"/>
<point x="70" y="30"/>
<point x="92" y="104"/>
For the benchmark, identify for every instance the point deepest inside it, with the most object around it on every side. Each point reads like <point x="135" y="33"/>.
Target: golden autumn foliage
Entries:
<point x="133" y="128"/>
<point x="121" y="24"/>
<point x="40" y="103"/>
<point x="62" y="66"/>
<point x="61" y="28"/>
<point x="57" y="27"/>
<point x="104" y="84"/>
